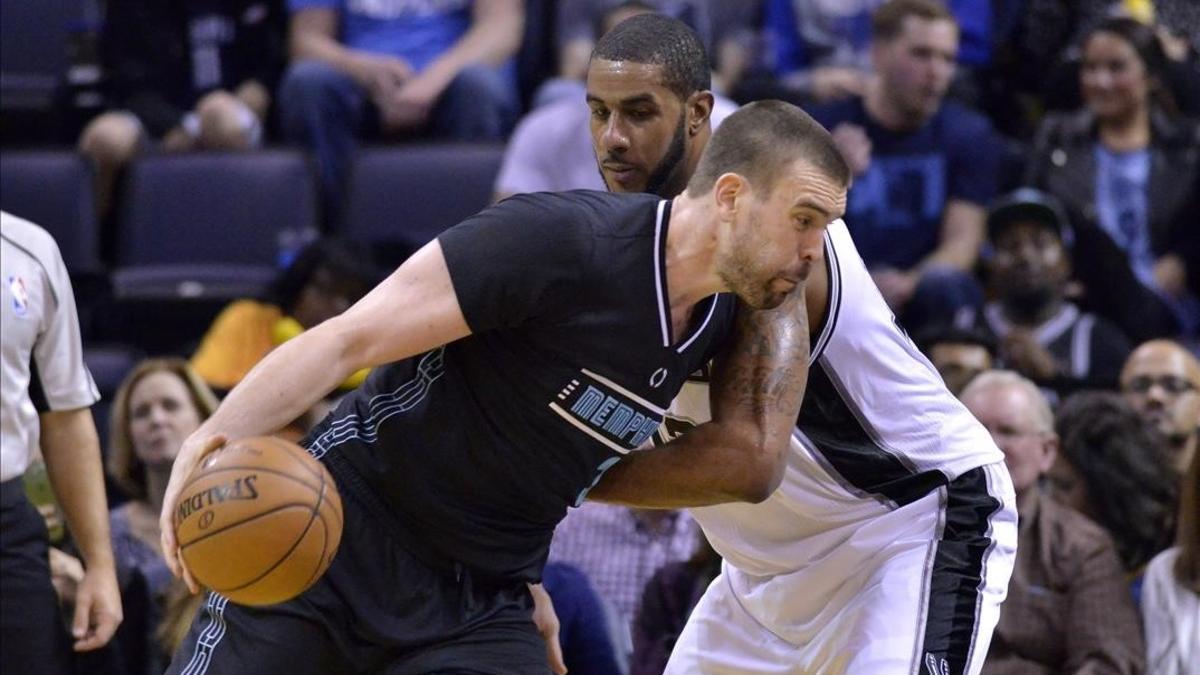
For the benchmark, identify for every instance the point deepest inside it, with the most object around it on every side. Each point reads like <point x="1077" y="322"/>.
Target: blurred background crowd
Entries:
<point x="221" y="175"/>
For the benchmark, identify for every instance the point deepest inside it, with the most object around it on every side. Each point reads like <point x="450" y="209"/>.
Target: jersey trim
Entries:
<point x="382" y="406"/>
<point x="623" y="390"/>
<point x="660" y="270"/>
<point x="833" y="303"/>
<point x="851" y="451"/>
<point x="210" y="637"/>
<point x="587" y="430"/>
<point x="712" y="309"/>
<point x="957" y="580"/>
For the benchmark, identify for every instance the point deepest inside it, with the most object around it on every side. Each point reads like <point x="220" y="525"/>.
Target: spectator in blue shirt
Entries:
<point x="925" y="167"/>
<point x="397" y="68"/>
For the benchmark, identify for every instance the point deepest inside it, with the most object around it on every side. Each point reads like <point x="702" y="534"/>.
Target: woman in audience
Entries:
<point x="1171" y="599"/>
<point x="1112" y="467"/>
<point x="1126" y="167"/>
<point x="159" y="404"/>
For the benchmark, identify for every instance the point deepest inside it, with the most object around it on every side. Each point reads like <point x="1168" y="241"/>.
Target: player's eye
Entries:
<point x="599" y="113"/>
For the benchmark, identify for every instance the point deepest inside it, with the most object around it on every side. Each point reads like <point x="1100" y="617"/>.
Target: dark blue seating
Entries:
<point x="198" y="230"/>
<point x="409" y="194"/>
<point x="208" y="225"/>
<point x="54" y="190"/>
<point x="33" y="50"/>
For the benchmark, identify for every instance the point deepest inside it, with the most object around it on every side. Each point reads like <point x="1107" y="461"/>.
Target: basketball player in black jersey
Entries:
<point x="517" y="358"/>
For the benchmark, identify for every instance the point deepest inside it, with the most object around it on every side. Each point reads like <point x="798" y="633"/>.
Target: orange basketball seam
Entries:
<point x="296" y="543"/>
<point x="243" y="467"/>
<point x="257" y="515"/>
<point x="321" y="560"/>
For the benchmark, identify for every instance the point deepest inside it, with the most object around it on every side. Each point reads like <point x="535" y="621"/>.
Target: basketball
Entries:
<point x="259" y="521"/>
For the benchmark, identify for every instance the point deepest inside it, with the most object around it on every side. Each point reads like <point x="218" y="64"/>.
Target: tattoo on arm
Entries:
<point x="765" y="369"/>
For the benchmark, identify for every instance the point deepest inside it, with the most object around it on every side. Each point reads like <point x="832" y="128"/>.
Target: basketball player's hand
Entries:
<point x="193" y="452"/>
<point x="97" y="609"/>
<point x="547" y="624"/>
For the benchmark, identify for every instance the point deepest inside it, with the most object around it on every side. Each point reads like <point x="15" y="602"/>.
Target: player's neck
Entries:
<point x="691" y="245"/>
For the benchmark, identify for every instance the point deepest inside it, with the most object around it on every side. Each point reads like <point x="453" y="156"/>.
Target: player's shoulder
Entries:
<point x="585" y="213"/>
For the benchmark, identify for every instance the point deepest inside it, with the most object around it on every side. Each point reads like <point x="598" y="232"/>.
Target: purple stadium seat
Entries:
<point x="406" y="195"/>
<point x="207" y="225"/>
<point x="54" y="190"/>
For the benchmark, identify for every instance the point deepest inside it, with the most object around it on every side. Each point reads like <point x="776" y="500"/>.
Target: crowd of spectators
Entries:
<point x="1026" y="191"/>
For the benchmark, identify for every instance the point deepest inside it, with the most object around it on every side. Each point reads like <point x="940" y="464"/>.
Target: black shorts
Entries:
<point x="33" y="637"/>
<point x="379" y="609"/>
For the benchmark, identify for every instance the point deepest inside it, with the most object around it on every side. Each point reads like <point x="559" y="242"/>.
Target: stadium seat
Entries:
<point x="405" y="196"/>
<point x="54" y="190"/>
<point x="208" y="225"/>
<point x="196" y="231"/>
<point x="33" y="50"/>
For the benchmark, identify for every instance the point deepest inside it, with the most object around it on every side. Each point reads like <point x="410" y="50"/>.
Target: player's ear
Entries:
<point x="728" y="190"/>
<point x="699" y="111"/>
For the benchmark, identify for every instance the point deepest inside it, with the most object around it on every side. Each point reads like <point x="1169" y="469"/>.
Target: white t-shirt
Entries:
<point x="42" y="357"/>
<point x="1172" y="619"/>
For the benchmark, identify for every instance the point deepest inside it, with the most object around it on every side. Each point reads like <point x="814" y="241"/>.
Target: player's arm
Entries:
<point x="757" y="387"/>
<point x="412" y="311"/>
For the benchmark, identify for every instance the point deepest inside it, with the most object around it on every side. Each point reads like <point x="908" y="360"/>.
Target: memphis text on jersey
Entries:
<point x="607" y="412"/>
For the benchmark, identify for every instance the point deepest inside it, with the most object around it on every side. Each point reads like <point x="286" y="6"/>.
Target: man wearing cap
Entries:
<point x="1040" y="333"/>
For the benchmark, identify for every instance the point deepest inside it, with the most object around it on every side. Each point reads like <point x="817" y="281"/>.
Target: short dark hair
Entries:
<point x="887" y="22"/>
<point x="1149" y="49"/>
<point x="662" y="41"/>
<point x="343" y="259"/>
<point x="760" y="140"/>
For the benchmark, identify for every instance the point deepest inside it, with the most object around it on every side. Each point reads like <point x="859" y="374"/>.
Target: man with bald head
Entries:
<point x="1161" y="380"/>
<point x="1068" y="608"/>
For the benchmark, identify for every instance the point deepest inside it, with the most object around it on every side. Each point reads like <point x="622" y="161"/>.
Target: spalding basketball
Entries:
<point x="259" y="521"/>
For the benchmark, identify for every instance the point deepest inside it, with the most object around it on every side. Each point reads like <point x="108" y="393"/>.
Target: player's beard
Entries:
<point x="743" y="276"/>
<point x="664" y="179"/>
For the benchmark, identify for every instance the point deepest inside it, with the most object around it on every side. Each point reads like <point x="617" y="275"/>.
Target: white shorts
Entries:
<point x="871" y="607"/>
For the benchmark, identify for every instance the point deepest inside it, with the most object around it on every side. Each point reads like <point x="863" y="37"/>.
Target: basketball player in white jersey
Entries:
<point x="888" y="543"/>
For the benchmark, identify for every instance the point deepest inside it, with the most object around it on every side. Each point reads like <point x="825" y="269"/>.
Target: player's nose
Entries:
<point x="614" y="137"/>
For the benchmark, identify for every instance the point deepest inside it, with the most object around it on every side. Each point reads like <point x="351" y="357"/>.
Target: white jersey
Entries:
<point x="878" y="430"/>
<point x="41" y="358"/>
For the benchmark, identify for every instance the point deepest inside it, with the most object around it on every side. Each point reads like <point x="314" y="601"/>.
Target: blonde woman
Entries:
<point x="158" y="405"/>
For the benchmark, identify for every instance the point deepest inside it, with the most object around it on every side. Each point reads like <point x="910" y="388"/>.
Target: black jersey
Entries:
<point x="479" y="446"/>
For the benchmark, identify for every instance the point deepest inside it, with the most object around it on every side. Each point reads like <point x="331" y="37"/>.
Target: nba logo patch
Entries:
<point x="16" y="286"/>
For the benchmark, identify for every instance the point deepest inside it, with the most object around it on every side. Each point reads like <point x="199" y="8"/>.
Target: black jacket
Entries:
<point x="1062" y="163"/>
